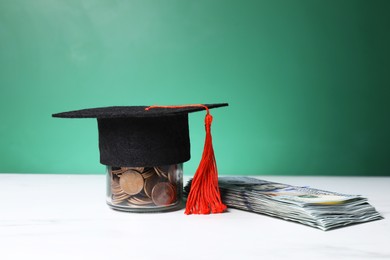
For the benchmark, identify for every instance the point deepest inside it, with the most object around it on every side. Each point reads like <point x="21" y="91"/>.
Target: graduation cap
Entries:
<point x="141" y="136"/>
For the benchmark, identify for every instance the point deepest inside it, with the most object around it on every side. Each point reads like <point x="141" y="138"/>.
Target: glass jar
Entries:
<point x="145" y="189"/>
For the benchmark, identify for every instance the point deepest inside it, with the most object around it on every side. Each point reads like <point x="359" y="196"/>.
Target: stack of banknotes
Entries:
<point x="316" y="208"/>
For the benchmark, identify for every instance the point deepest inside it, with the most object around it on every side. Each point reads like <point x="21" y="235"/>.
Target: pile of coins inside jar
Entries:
<point x="144" y="186"/>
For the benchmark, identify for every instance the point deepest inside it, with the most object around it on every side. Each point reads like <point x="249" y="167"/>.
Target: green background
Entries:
<point x="307" y="81"/>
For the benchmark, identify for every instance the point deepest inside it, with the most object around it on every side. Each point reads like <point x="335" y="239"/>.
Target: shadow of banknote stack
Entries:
<point x="316" y="208"/>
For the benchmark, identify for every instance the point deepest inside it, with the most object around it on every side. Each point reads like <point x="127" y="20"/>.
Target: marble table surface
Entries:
<point x="65" y="217"/>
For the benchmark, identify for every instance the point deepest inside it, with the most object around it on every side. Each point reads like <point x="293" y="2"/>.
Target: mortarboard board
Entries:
<point x="141" y="136"/>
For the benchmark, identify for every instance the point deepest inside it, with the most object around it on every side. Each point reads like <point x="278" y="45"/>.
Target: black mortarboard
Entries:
<point x="133" y="136"/>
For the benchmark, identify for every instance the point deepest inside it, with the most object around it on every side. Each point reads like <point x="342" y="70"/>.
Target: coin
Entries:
<point x="149" y="172"/>
<point x="163" y="194"/>
<point x="137" y="169"/>
<point x="131" y="182"/>
<point x="116" y="188"/>
<point x="116" y="171"/>
<point x="161" y="172"/>
<point x="117" y="199"/>
<point x="121" y="197"/>
<point x="139" y="200"/>
<point x="150" y="183"/>
<point x="115" y="178"/>
<point x="172" y="175"/>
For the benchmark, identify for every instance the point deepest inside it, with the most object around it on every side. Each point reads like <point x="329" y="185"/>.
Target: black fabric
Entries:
<point x="137" y="142"/>
<point x="130" y="136"/>
<point x="131" y="111"/>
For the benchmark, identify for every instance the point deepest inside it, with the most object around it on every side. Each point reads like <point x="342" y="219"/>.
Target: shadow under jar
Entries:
<point x="145" y="189"/>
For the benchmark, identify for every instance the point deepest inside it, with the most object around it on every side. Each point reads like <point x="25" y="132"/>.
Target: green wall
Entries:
<point x="307" y="81"/>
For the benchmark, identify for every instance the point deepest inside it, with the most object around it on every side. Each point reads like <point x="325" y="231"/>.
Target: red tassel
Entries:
<point x="204" y="196"/>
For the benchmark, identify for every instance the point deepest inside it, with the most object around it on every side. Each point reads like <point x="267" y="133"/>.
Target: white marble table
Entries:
<point x="65" y="217"/>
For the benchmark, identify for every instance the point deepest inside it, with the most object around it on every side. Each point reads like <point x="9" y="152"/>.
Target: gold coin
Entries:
<point x="163" y="194"/>
<point x="131" y="182"/>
